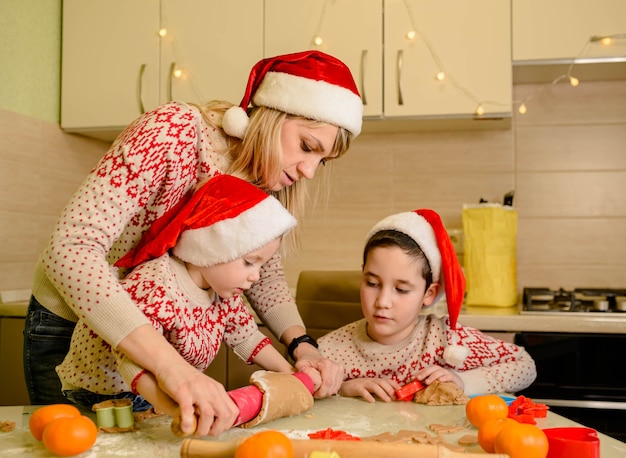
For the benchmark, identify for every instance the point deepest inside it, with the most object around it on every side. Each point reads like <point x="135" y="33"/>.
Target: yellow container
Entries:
<point x="490" y="256"/>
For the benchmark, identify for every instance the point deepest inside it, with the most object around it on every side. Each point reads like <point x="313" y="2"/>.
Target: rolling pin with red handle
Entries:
<point x="249" y="400"/>
<point x="199" y="448"/>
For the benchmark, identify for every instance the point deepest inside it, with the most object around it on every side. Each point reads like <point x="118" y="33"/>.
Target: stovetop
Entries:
<point x="578" y="300"/>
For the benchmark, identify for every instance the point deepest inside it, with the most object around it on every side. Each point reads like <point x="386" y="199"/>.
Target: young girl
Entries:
<point x="298" y="111"/>
<point x="408" y="261"/>
<point x="219" y="239"/>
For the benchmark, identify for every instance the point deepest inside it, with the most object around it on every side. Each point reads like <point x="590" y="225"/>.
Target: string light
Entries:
<point x="441" y="74"/>
<point x="162" y="32"/>
<point x="605" y="40"/>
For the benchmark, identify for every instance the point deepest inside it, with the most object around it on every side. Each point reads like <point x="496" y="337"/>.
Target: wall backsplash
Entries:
<point x="565" y="159"/>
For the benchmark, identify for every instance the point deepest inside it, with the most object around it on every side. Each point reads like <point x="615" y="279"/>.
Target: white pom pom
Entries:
<point x="455" y="355"/>
<point x="235" y="122"/>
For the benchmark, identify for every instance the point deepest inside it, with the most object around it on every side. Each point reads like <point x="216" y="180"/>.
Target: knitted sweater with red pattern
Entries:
<point x="492" y="366"/>
<point x="194" y="321"/>
<point x="156" y="160"/>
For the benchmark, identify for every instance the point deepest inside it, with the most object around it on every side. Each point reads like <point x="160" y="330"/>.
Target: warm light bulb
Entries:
<point x="162" y="32"/>
<point x="522" y="108"/>
<point x="317" y="40"/>
<point x="606" y="41"/>
<point x="411" y="34"/>
<point x="177" y="73"/>
<point x="480" y="110"/>
<point x="440" y="76"/>
<point x="573" y="81"/>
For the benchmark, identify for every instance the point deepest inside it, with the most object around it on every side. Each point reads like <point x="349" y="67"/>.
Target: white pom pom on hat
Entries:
<point x="311" y="84"/>
<point x="425" y="227"/>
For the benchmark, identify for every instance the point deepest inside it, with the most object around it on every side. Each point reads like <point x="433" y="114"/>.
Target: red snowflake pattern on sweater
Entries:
<point x="159" y="158"/>
<point x="492" y="365"/>
<point x="192" y="320"/>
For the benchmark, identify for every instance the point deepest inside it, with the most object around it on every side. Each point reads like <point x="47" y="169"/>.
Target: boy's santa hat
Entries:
<point x="223" y="220"/>
<point x="425" y="227"/>
<point x="311" y="84"/>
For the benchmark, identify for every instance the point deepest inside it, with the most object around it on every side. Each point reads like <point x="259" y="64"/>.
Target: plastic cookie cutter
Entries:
<point x="114" y="413"/>
<point x="407" y="392"/>
<point x="525" y="410"/>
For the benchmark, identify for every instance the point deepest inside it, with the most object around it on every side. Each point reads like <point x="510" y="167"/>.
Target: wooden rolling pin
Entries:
<point x="198" y="448"/>
<point x="248" y="399"/>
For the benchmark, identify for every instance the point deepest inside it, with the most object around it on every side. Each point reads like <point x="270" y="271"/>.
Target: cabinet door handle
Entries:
<point x="399" y="76"/>
<point x="170" y="77"/>
<point x="363" y="65"/>
<point x="142" y="69"/>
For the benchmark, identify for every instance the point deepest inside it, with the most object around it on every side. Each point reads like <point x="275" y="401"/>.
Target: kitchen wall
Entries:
<point x="565" y="159"/>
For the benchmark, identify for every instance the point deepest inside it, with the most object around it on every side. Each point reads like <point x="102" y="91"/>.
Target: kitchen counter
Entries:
<point x="354" y="416"/>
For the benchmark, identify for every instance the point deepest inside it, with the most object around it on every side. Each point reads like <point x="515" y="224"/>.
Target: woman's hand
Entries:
<point x="429" y="374"/>
<point x="367" y="388"/>
<point x="194" y="392"/>
<point x="330" y="373"/>
<point x="200" y="396"/>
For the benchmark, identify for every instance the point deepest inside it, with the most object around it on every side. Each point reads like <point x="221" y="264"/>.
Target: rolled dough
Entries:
<point x="283" y="396"/>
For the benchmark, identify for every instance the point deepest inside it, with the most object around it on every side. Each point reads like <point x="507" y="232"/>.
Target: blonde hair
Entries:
<point x="257" y="158"/>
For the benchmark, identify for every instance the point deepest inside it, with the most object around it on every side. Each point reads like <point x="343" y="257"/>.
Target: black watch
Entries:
<point x="297" y="341"/>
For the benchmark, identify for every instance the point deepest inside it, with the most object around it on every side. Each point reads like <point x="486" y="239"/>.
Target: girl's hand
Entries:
<point x="429" y="374"/>
<point x="367" y="388"/>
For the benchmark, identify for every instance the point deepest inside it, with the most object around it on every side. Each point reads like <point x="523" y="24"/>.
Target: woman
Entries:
<point x="305" y="110"/>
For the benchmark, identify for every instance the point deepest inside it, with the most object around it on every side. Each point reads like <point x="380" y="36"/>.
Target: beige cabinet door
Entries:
<point x="110" y="62"/>
<point x="470" y="41"/>
<point x="350" y="30"/>
<point x="211" y="45"/>
<point x="560" y="29"/>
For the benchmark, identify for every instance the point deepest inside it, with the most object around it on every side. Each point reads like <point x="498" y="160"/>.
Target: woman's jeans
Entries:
<point x="46" y="342"/>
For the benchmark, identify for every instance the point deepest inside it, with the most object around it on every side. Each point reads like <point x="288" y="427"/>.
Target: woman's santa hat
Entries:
<point x="223" y="220"/>
<point x="311" y="84"/>
<point x="425" y="227"/>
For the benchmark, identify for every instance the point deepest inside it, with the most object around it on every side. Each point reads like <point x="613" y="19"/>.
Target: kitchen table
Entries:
<point x="352" y="415"/>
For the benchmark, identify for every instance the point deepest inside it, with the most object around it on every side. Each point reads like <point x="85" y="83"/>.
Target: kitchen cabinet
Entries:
<point x="350" y="30"/>
<point x="12" y="385"/>
<point x="123" y="58"/>
<point x="559" y="29"/>
<point x="470" y="40"/>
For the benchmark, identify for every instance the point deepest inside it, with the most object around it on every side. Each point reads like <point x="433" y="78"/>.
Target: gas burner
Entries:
<point x="585" y="300"/>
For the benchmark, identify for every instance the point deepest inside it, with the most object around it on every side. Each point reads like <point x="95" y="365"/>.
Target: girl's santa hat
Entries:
<point x="425" y="227"/>
<point x="223" y="220"/>
<point x="311" y="84"/>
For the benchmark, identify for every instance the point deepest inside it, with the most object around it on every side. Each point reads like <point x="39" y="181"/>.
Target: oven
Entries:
<point x="579" y="375"/>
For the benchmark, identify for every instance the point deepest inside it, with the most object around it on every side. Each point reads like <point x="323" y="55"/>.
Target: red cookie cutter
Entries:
<point x="407" y="392"/>
<point x="524" y="410"/>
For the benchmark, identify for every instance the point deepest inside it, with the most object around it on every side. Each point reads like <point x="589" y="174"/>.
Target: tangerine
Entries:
<point x="479" y="409"/>
<point x="43" y="416"/>
<point x="522" y="440"/>
<point x="489" y="430"/>
<point x="70" y="436"/>
<point x="266" y="444"/>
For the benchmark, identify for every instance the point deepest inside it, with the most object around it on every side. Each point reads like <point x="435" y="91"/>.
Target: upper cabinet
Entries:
<point x="561" y="29"/>
<point x="123" y="58"/>
<point x="396" y="49"/>
<point x="470" y="42"/>
<point x="350" y="30"/>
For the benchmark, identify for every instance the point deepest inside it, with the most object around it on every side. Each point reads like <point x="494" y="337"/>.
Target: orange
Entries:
<point x="70" y="435"/>
<point x="489" y="430"/>
<point x="266" y="444"/>
<point x="41" y="417"/>
<point x="479" y="409"/>
<point x="522" y="440"/>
